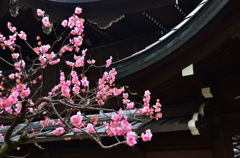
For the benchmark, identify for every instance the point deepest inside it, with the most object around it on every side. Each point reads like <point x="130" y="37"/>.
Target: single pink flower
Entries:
<point x="125" y="95"/>
<point x="131" y="138"/>
<point x="78" y="10"/>
<point x="109" y="61"/>
<point x="85" y="82"/>
<point x="58" y="131"/>
<point x="46" y="22"/>
<point x="64" y="23"/>
<point x="76" y="120"/>
<point x="11" y="76"/>
<point x="158" y="115"/>
<point x="15" y="55"/>
<point x="147" y="136"/>
<point x="34" y="82"/>
<point x="21" y="87"/>
<point x="40" y="12"/>
<point x="22" y="35"/>
<point x="90" y="128"/>
<point x="30" y="110"/>
<point x="130" y="105"/>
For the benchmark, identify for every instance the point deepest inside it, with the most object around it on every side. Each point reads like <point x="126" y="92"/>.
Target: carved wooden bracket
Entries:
<point x="107" y="21"/>
<point x="201" y="123"/>
<point x="15" y="6"/>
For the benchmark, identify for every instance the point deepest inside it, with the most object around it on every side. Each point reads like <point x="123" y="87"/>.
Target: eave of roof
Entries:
<point x="93" y="9"/>
<point x="173" y="40"/>
<point x="172" y="124"/>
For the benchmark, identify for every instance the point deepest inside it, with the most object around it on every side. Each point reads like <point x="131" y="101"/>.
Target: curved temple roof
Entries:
<point x="174" y="39"/>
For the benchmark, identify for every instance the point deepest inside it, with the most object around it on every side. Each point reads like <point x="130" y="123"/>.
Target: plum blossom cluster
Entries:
<point x="106" y="87"/>
<point x="45" y="19"/>
<point x="67" y="86"/>
<point x="150" y="110"/>
<point x="10" y="42"/>
<point x="119" y="126"/>
<point x="12" y="103"/>
<point x="73" y="92"/>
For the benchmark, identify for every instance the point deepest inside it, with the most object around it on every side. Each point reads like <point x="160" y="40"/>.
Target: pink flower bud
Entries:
<point x="78" y="10"/>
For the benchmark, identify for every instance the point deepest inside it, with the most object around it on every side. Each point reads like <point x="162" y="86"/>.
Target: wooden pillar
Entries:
<point x="219" y="142"/>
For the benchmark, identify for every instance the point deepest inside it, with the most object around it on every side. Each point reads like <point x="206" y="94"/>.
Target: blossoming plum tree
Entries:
<point x="73" y="93"/>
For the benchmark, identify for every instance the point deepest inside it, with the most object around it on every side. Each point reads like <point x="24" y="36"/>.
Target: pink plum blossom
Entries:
<point x="21" y="87"/>
<point x="15" y="55"/>
<point x="40" y="12"/>
<point x="147" y="136"/>
<point x="73" y="90"/>
<point x="34" y="82"/>
<point x="19" y="64"/>
<point x="158" y="115"/>
<point x="9" y="110"/>
<point x="76" y="120"/>
<point x="65" y="91"/>
<point x="25" y="93"/>
<point x="90" y="61"/>
<point x="64" y="23"/>
<point x="131" y="138"/>
<point x="18" y="107"/>
<point x="2" y="38"/>
<point x="90" y="128"/>
<point x="11" y="76"/>
<point x="77" y="130"/>
<point x="45" y="122"/>
<point x="85" y="82"/>
<point x="22" y="35"/>
<point x="46" y="22"/>
<point x="108" y="62"/>
<point x="69" y="63"/>
<point x="78" y="10"/>
<point x="10" y="27"/>
<point x="54" y="62"/>
<point x="125" y="95"/>
<point x="44" y="48"/>
<point x="130" y="105"/>
<point x="58" y="131"/>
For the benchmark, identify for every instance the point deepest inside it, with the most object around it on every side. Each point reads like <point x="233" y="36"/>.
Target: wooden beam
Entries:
<point x="180" y="109"/>
<point x="197" y="76"/>
<point x="227" y="88"/>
